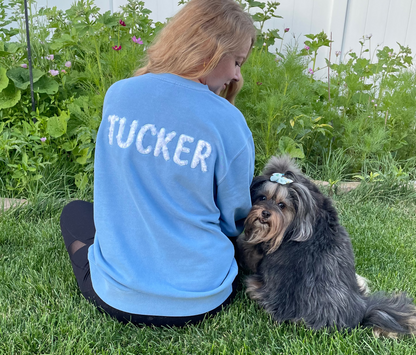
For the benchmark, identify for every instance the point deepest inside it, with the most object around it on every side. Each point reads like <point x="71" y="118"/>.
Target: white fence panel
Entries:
<point x="398" y="21"/>
<point x="411" y="31"/>
<point x="386" y="21"/>
<point x="338" y="23"/>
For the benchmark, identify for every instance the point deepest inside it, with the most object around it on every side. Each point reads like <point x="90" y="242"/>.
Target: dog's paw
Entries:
<point x="254" y="285"/>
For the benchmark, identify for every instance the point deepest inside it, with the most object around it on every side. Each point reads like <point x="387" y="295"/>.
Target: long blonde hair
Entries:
<point x="231" y="91"/>
<point x="198" y="37"/>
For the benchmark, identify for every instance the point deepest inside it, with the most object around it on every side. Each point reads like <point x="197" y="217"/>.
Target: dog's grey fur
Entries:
<point x="308" y="275"/>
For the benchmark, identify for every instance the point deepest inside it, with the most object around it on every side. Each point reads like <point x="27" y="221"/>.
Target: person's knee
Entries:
<point x="73" y="209"/>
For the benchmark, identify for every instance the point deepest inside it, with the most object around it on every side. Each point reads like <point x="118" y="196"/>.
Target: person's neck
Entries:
<point x="198" y="81"/>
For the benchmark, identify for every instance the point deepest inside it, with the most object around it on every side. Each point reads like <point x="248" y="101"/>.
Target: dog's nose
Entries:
<point x="265" y="214"/>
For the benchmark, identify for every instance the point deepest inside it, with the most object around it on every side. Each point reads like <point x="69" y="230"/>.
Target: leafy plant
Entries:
<point x="372" y="177"/>
<point x="276" y="101"/>
<point x="77" y="55"/>
<point x="265" y="39"/>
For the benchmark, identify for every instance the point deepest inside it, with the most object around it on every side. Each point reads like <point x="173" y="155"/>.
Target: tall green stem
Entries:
<point x="97" y="52"/>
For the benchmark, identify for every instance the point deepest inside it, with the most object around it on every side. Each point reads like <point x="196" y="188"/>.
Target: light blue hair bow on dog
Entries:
<point x="280" y="179"/>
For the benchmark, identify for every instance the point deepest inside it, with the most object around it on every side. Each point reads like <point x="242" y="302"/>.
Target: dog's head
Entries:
<point x="283" y="205"/>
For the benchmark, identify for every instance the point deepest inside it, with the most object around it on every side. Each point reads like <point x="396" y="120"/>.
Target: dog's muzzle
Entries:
<point x="265" y="215"/>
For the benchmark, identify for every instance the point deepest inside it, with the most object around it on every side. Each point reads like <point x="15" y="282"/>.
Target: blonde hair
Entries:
<point x="232" y="89"/>
<point x="198" y="37"/>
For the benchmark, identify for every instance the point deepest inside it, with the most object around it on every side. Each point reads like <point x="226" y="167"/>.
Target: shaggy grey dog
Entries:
<point x="302" y="260"/>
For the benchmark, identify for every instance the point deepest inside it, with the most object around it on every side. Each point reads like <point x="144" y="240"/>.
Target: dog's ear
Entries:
<point x="306" y="212"/>
<point x="257" y="182"/>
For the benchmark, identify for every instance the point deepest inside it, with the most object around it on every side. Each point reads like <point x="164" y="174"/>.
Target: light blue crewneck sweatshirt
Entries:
<point x="173" y="168"/>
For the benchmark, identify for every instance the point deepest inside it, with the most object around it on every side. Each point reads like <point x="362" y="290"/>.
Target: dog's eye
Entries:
<point x="281" y="205"/>
<point x="263" y="198"/>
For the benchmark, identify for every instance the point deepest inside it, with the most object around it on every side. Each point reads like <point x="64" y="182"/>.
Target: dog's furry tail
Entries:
<point x="390" y="316"/>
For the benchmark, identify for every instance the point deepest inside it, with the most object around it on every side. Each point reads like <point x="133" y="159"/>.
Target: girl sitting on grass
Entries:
<point x="173" y="166"/>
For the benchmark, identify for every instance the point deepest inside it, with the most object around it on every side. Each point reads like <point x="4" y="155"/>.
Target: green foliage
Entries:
<point x="74" y="63"/>
<point x="312" y="46"/>
<point x="267" y="11"/>
<point x="277" y="101"/>
<point x="374" y="107"/>
<point x="23" y="155"/>
<point x="368" y="110"/>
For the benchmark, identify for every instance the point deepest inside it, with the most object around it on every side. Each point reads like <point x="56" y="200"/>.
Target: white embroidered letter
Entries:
<point x="130" y="137"/>
<point x="199" y="157"/>
<point x="180" y="148"/>
<point x="112" y="119"/>
<point x="139" y="141"/>
<point x="162" y="142"/>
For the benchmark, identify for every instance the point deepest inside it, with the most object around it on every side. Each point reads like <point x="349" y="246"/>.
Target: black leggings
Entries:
<point x="78" y="230"/>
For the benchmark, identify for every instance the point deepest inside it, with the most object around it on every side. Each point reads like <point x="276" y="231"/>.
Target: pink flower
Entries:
<point x="137" y="40"/>
<point x="338" y="53"/>
<point x="43" y="139"/>
<point x="54" y="72"/>
<point x="306" y="47"/>
<point x="122" y="23"/>
<point x="63" y="71"/>
<point x="116" y="48"/>
<point x="23" y="66"/>
<point x="68" y="64"/>
<point x="287" y="29"/>
<point x="50" y="57"/>
<point x="310" y="71"/>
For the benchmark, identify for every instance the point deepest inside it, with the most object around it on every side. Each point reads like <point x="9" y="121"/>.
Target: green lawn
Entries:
<point x="42" y="311"/>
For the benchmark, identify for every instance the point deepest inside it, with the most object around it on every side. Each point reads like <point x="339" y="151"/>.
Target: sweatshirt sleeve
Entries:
<point x="233" y="191"/>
